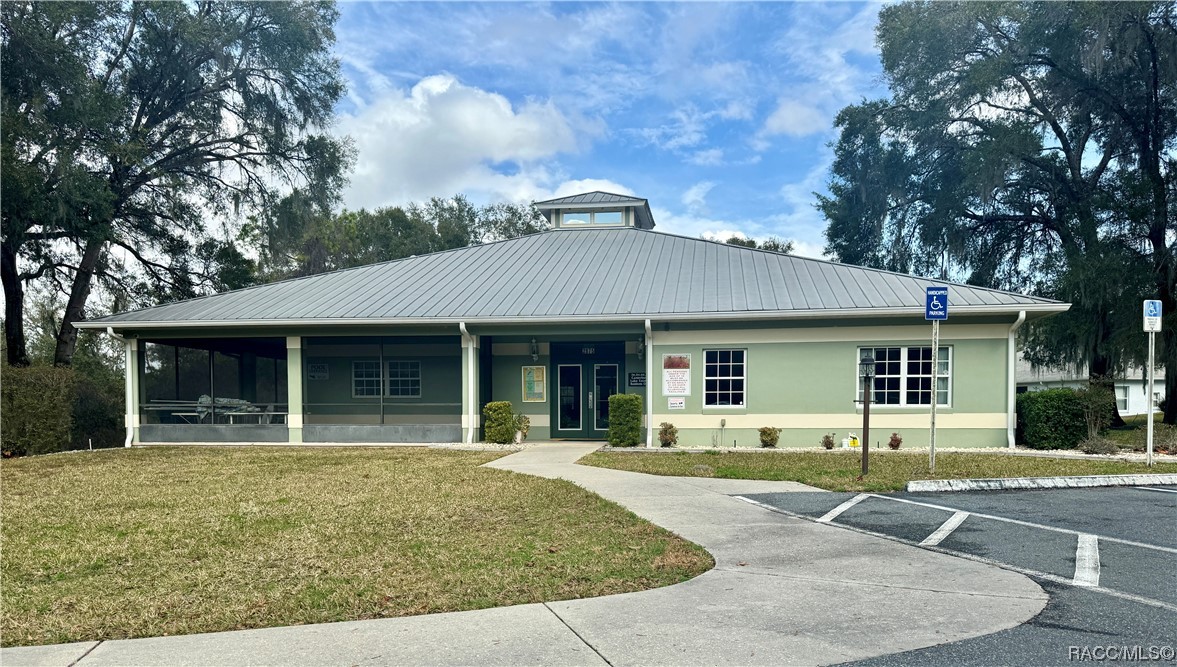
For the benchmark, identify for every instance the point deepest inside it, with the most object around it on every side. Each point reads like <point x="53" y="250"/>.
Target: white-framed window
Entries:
<point x="724" y="378"/>
<point x="365" y="379"/>
<point x="615" y="217"/>
<point x="1121" y="397"/>
<point x="404" y="379"/>
<point x="904" y="375"/>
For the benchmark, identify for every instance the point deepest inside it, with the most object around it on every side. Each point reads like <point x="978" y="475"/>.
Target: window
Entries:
<point x="904" y="375"/>
<point x="404" y="379"/>
<point x="365" y="378"/>
<point x="724" y="378"/>
<point x="1121" y="397"/>
<point x="592" y="217"/>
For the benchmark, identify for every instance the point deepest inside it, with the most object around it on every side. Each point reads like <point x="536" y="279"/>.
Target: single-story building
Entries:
<point x="718" y="339"/>
<point x="1130" y="387"/>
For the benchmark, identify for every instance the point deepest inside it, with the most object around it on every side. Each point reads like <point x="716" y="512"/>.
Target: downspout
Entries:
<point x="129" y="392"/>
<point x="469" y="341"/>
<point x="649" y="385"/>
<point x="1011" y="405"/>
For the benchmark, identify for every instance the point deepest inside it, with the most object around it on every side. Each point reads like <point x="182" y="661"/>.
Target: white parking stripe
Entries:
<point x="1028" y="524"/>
<point x="1087" y="561"/>
<point x="945" y="529"/>
<point x="833" y="514"/>
<point x="1153" y="488"/>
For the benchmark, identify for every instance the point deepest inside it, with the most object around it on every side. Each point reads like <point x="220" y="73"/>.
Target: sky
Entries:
<point x="720" y="114"/>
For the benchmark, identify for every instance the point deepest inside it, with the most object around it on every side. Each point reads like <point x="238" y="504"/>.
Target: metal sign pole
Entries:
<point x="935" y="392"/>
<point x="1152" y="337"/>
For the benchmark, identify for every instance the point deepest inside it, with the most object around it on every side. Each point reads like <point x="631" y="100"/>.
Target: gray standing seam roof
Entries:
<point x="597" y="197"/>
<point x="587" y="274"/>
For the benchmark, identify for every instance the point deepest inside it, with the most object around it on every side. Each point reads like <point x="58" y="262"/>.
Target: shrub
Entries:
<point x="625" y="420"/>
<point x="1051" y="419"/>
<point x="668" y="434"/>
<point x="895" y="442"/>
<point x="522" y="425"/>
<point x="827" y="441"/>
<point x="769" y="436"/>
<point x="499" y="420"/>
<point x="97" y="413"/>
<point x="1098" y="404"/>
<point x="38" y="409"/>
<point x="1099" y="445"/>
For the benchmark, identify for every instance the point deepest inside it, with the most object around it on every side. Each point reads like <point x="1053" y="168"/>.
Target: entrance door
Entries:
<point x="570" y="406"/>
<point x="587" y="374"/>
<point x="604" y="386"/>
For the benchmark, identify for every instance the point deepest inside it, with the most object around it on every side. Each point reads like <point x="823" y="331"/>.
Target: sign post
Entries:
<point x="1152" y="324"/>
<point x="935" y="309"/>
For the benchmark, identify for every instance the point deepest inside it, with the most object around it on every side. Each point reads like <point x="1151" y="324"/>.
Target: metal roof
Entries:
<point x="620" y="274"/>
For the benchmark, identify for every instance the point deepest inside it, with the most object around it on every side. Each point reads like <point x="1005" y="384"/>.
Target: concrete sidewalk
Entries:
<point x="784" y="591"/>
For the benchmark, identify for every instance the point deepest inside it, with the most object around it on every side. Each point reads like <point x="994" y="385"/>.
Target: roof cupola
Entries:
<point x="597" y="210"/>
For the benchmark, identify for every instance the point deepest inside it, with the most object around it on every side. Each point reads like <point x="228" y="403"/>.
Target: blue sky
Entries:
<point x="718" y="113"/>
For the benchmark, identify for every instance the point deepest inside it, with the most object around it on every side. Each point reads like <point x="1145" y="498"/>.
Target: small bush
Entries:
<point x="769" y="436"/>
<point x="522" y="425"/>
<point x="38" y="409"/>
<point x="1098" y="404"/>
<point x="1051" y="419"/>
<point x="668" y="435"/>
<point x="827" y="441"/>
<point x="499" y="421"/>
<point x="895" y="442"/>
<point x="625" y="420"/>
<point x="1099" y="445"/>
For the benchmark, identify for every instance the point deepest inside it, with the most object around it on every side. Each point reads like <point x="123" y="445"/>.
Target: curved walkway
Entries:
<point x="784" y="591"/>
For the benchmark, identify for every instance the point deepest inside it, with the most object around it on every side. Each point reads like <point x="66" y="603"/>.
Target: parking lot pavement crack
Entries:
<point x="578" y="635"/>
<point x="877" y="584"/>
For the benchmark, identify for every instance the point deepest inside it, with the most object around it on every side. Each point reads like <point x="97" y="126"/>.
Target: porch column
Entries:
<point x="470" y="417"/>
<point x="294" y="389"/>
<point x="131" y="363"/>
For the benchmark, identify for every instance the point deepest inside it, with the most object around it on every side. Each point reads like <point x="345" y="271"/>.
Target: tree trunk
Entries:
<point x="1099" y="375"/>
<point x="75" y="309"/>
<point x="14" y="308"/>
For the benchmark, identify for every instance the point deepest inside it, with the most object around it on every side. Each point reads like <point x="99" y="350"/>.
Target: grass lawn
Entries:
<point x="838" y="471"/>
<point x="1134" y="434"/>
<point x="146" y="542"/>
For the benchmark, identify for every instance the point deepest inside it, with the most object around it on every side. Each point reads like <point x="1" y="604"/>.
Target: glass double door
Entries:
<point x="583" y="388"/>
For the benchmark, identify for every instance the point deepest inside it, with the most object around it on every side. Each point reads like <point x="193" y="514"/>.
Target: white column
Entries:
<point x="470" y="416"/>
<point x="1011" y="373"/>
<point x="294" y="389"/>
<point x="131" y="363"/>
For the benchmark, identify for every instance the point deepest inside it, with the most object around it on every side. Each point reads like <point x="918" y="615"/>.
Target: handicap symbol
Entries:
<point x="936" y="304"/>
<point x="1154" y="309"/>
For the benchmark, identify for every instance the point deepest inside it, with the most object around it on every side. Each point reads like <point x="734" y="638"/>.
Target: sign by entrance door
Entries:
<point x="587" y="374"/>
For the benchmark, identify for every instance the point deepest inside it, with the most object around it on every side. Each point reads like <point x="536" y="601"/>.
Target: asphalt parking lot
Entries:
<point x="1107" y="557"/>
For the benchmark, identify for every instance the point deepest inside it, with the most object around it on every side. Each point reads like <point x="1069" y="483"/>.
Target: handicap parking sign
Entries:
<point x="1152" y="315"/>
<point x="936" y="305"/>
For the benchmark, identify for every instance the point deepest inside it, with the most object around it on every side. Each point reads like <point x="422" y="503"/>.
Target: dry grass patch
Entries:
<point x="151" y="542"/>
<point x="839" y="471"/>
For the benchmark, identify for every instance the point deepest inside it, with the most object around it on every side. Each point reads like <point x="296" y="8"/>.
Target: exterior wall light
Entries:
<point x="866" y="368"/>
<point x="534" y="350"/>
<point x="641" y="347"/>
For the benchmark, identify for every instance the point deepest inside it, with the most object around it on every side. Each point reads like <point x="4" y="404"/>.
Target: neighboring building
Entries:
<point x="719" y="339"/>
<point x="1131" y="388"/>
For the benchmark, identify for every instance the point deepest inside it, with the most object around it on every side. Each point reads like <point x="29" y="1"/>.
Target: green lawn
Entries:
<point x="1134" y="435"/>
<point x="145" y="542"/>
<point x="839" y="471"/>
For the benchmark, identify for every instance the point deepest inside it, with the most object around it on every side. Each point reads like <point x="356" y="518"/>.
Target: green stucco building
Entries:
<point x="719" y="340"/>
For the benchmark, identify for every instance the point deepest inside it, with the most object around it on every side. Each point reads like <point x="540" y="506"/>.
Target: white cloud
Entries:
<point x="442" y="137"/>
<point x="695" y="198"/>
<point x="796" y="119"/>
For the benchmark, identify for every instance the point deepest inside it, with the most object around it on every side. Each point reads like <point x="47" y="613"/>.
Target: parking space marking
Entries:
<point x="973" y="557"/>
<point x="945" y="529"/>
<point x="1068" y="531"/>
<point x="1151" y="488"/>
<point x="833" y="514"/>
<point x="1087" y="561"/>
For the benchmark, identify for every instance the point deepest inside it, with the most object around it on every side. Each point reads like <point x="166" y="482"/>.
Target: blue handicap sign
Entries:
<point x="1152" y="308"/>
<point x="936" y="306"/>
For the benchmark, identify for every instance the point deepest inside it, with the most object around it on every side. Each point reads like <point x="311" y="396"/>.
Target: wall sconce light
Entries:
<point x="534" y="350"/>
<point x="641" y="347"/>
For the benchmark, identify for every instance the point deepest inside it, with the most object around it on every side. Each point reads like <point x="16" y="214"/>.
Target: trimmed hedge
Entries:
<point x="625" y="420"/>
<point x="38" y="410"/>
<point x="1051" y="419"/>
<point x="499" y="421"/>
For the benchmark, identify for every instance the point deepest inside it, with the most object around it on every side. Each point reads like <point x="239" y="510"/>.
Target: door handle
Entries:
<point x="592" y="405"/>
